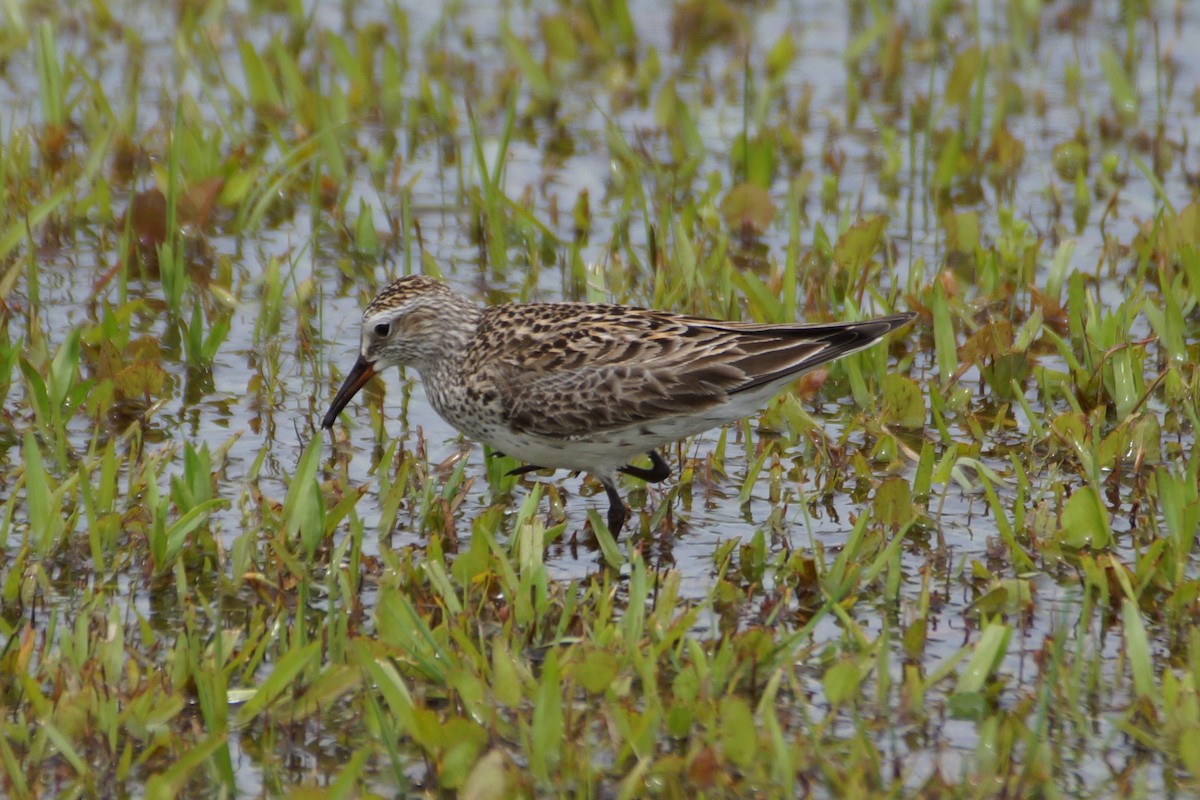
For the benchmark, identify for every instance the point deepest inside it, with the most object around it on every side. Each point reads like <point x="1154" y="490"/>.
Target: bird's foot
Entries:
<point x="658" y="472"/>
<point x="616" y="510"/>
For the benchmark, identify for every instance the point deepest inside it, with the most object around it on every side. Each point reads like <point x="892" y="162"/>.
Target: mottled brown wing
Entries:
<point x="589" y="400"/>
<point x="600" y="368"/>
<point x="770" y="353"/>
<point x="580" y="369"/>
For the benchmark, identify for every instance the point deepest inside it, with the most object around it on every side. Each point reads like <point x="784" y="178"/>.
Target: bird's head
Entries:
<point x="407" y="324"/>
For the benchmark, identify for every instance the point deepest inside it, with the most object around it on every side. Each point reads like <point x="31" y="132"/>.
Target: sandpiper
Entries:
<point x="585" y="386"/>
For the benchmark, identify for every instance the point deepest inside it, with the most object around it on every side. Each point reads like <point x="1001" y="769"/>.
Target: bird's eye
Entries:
<point x="383" y="329"/>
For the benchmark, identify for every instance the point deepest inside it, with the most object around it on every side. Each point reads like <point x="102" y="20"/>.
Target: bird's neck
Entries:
<point x="453" y="341"/>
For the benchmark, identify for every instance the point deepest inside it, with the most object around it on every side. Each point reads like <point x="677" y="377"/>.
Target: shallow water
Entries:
<point x="280" y="417"/>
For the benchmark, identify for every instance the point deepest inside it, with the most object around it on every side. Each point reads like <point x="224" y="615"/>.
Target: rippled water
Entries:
<point x="280" y="417"/>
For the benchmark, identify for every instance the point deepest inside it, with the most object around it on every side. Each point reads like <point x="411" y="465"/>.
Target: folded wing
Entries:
<point x="608" y="369"/>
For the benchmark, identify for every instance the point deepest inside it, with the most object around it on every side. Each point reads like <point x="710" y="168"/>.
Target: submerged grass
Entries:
<point x="961" y="565"/>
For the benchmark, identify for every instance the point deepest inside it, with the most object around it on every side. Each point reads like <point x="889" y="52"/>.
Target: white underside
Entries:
<point x="603" y="453"/>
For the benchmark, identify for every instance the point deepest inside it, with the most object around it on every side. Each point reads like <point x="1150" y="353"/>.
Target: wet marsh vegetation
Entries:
<point x="960" y="564"/>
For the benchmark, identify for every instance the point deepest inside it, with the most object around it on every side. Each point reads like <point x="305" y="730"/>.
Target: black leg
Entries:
<point x="523" y="470"/>
<point x="658" y="472"/>
<point x="616" y="510"/>
<point x="515" y="470"/>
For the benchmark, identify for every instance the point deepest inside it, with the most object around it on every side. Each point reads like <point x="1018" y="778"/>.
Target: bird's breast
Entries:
<point x="474" y="408"/>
